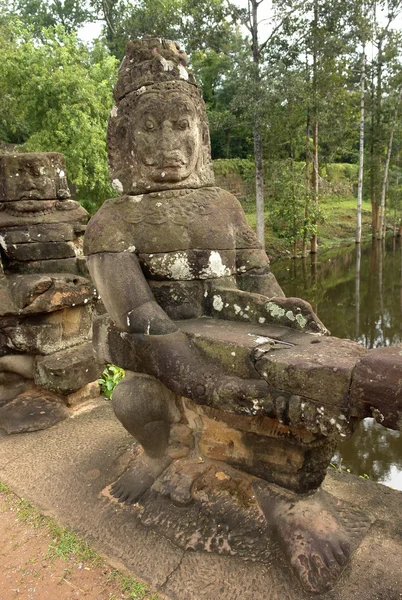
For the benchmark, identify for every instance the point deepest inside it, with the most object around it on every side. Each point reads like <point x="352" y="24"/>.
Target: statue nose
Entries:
<point x="168" y="137"/>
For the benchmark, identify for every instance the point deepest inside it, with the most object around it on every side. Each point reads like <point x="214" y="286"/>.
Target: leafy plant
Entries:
<point x="110" y="378"/>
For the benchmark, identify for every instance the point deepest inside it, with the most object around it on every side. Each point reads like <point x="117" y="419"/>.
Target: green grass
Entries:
<point x="67" y="545"/>
<point x="338" y="226"/>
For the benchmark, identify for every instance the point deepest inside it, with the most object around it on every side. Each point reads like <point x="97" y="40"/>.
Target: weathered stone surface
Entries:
<point x="111" y="346"/>
<point x="188" y="265"/>
<point x="68" y="370"/>
<point x="53" y="265"/>
<point x="90" y="391"/>
<point x="7" y="305"/>
<point x="35" y="294"/>
<point x="45" y="334"/>
<point x="236" y="305"/>
<point x="39" y="176"/>
<point x="32" y="212"/>
<point x="171" y="221"/>
<point x="377" y="385"/>
<point x="32" y="410"/>
<point x="59" y="232"/>
<point x="22" y="364"/>
<point x="40" y="251"/>
<point x="179" y="299"/>
<point x="11" y="385"/>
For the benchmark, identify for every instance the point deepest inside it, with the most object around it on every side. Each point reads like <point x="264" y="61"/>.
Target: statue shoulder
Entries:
<point x="107" y="230"/>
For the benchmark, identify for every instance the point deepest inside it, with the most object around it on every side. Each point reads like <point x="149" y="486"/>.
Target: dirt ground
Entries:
<point x="28" y="571"/>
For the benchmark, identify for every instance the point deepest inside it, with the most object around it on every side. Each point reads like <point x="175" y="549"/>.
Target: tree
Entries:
<point x="56" y="96"/>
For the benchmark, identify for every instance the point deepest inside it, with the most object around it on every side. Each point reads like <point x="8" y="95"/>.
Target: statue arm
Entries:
<point x="126" y="295"/>
<point x="164" y="351"/>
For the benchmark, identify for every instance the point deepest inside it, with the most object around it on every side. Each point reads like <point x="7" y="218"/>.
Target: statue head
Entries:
<point x="33" y="176"/>
<point x="158" y="131"/>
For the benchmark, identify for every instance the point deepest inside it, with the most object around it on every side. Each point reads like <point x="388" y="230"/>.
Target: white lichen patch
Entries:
<point x="274" y="310"/>
<point x="262" y="340"/>
<point x="118" y="186"/>
<point x="3" y="243"/>
<point x="131" y="249"/>
<point x="215" y="267"/>
<point x="183" y="72"/>
<point x="301" y="320"/>
<point x="237" y="309"/>
<point x="136" y="199"/>
<point x="290" y="316"/>
<point x="179" y="267"/>
<point x="217" y="303"/>
<point x="113" y="112"/>
<point x="261" y="320"/>
<point x="141" y="90"/>
<point x="167" y="65"/>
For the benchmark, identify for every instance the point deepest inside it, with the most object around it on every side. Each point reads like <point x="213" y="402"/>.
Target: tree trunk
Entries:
<point x="377" y="146"/>
<point x="259" y="187"/>
<point x="361" y="153"/>
<point x="315" y="182"/>
<point x="314" y="244"/>
<point x="306" y="204"/>
<point x="381" y="231"/>
<point x="259" y="170"/>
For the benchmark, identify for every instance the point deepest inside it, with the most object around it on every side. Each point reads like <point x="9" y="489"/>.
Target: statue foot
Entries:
<point x="138" y="478"/>
<point x="311" y="536"/>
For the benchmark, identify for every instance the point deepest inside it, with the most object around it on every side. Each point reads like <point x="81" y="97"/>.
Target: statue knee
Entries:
<point x="146" y="408"/>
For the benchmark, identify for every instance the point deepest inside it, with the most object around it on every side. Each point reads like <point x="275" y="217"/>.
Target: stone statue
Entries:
<point x="46" y="297"/>
<point x="221" y="368"/>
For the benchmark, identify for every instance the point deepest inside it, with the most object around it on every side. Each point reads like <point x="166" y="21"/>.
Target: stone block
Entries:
<point x="90" y="391"/>
<point x="37" y="251"/>
<point x="179" y="299"/>
<point x="35" y="294"/>
<point x="33" y="410"/>
<point x="377" y="384"/>
<point x="275" y="456"/>
<point x="33" y="175"/>
<point x="53" y="265"/>
<point x="68" y="370"/>
<point x="45" y="334"/>
<point x="57" y="232"/>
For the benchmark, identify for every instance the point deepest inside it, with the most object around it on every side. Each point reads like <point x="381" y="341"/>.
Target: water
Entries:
<point x="357" y="293"/>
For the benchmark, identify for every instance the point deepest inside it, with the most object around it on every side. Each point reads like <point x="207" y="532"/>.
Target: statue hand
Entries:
<point x="182" y="367"/>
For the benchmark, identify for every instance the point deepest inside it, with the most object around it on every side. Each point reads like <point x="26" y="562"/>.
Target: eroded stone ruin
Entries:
<point x="46" y="296"/>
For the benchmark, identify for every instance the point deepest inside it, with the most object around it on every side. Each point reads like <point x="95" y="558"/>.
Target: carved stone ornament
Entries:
<point x="33" y="176"/>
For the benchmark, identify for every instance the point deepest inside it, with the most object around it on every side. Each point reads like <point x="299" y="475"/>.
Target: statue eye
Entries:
<point x="183" y="124"/>
<point x="149" y="125"/>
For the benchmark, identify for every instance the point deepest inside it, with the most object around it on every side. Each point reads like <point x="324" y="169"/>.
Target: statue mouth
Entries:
<point x="30" y="194"/>
<point x="173" y="162"/>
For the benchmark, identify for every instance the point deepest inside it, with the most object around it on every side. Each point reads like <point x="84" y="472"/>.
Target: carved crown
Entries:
<point x="149" y="61"/>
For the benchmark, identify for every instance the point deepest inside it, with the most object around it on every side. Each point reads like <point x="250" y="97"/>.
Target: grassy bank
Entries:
<point x="337" y="226"/>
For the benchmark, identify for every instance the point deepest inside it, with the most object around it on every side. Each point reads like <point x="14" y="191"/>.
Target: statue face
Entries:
<point x="166" y="135"/>
<point x="32" y="176"/>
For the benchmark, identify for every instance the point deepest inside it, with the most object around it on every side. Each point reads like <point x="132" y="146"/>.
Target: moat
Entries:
<point x="358" y="295"/>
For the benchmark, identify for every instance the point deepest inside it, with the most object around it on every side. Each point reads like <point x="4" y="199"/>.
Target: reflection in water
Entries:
<point x="357" y="293"/>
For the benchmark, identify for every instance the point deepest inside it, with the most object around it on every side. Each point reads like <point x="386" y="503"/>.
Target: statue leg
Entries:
<point x="311" y="534"/>
<point x="146" y="409"/>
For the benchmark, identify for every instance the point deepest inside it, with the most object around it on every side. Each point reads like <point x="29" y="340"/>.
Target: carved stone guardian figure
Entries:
<point x="46" y="297"/>
<point x="235" y="393"/>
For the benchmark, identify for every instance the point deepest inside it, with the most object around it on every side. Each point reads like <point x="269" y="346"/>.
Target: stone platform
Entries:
<point x="67" y="470"/>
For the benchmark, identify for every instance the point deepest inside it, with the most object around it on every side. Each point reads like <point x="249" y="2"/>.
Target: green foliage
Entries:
<point x="242" y="166"/>
<point x="56" y="97"/>
<point x="110" y="378"/>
